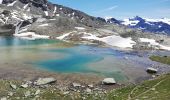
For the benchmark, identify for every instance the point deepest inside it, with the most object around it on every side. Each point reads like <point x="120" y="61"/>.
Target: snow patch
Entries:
<point x="130" y="22"/>
<point x="164" y="20"/>
<point x="25" y="6"/>
<point x="113" y="40"/>
<point x="55" y="9"/>
<point x="26" y="17"/>
<point x="57" y="15"/>
<point x="46" y="13"/>
<point x="29" y="9"/>
<point x="2" y="21"/>
<point x="43" y="25"/>
<point x="63" y="36"/>
<point x="31" y="35"/>
<point x="1" y="1"/>
<point x="22" y="30"/>
<point x="12" y="4"/>
<point x="153" y="42"/>
<point x="73" y="13"/>
<point x="80" y="28"/>
<point x="107" y="18"/>
<point x="159" y="26"/>
<point x="52" y="19"/>
<point x="15" y="15"/>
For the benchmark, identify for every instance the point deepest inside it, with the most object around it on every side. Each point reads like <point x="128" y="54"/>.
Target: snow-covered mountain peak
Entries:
<point x="164" y="20"/>
<point x="161" y="25"/>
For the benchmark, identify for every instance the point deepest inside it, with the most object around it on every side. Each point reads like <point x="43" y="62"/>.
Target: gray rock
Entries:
<point x="4" y="98"/>
<point x="18" y="98"/>
<point x="83" y="86"/>
<point x="90" y="86"/>
<point x="67" y="92"/>
<point x="28" y="93"/>
<point x="24" y="85"/>
<point x="153" y="89"/>
<point x="76" y="85"/>
<point x="151" y="70"/>
<point x="44" y="81"/>
<point x="37" y="92"/>
<point x="13" y="86"/>
<point x="109" y="81"/>
<point x="88" y="90"/>
<point x="10" y="94"/>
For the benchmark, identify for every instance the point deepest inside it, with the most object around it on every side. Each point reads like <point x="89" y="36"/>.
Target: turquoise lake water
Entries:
<point x="53" y="56"/>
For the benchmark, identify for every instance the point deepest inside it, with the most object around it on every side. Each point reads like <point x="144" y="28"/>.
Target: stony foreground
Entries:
<point x="156" y="89"/>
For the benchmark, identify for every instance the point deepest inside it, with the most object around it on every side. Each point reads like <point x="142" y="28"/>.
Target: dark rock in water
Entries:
<point x="151" y="70"/>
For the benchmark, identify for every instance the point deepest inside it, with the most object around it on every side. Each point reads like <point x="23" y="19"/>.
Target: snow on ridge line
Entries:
<point x="128" y="22"/>
<point x="113" y="40"/>
<point x="107" y="18"/>
<point x="164" y="20"/>
<point x="153" y="42"/>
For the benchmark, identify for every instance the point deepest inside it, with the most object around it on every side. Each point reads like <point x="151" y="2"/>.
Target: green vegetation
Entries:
<point x="161" y="59"/>
<point x="157" y="89"/>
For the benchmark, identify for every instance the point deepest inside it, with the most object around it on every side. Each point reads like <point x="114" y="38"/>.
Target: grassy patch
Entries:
<point x="161" y="59"/>
<point x="158" y="89"/>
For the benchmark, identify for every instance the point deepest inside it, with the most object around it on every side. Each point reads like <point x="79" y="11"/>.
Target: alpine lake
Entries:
<point x="66" y="58"/>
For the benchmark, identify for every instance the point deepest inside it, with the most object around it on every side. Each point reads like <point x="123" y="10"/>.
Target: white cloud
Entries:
<point x="107" y="9"/>
<point x="164" y="11"/>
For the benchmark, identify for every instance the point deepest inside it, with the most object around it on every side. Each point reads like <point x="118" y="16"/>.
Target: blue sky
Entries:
<point x="120" y="8"/>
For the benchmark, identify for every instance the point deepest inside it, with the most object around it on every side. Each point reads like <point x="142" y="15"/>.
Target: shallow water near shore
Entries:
<point x="58" y="57"/>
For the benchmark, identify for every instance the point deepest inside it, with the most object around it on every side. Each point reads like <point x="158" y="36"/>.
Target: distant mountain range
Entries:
<point x="160" y="26"/>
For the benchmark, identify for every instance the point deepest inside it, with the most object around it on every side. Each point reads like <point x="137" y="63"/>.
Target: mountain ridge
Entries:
<point x="159" y="26"/>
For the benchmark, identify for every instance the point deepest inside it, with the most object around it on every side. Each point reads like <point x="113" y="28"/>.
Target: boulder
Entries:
<point x="37" y="92"/>
<point x="24" y="85"/>
<point x="90" y="86"/>
<point x="88" y="90"/>
<point x="76" y="85"/>
<point x="44" y="81"/>
<point x="151" y="70"/>
<point x="13" y="86"/>
<point x="4" y="98"/>
<point x="27" y="93"/>
<point x="109" y="81"/>
<point x="10" y="93"/>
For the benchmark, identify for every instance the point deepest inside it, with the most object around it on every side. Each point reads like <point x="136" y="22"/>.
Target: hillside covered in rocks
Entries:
<point x="34" y="19"/>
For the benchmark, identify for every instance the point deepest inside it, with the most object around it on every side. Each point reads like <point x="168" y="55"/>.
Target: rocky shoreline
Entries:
<point x="49" y="87"/>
